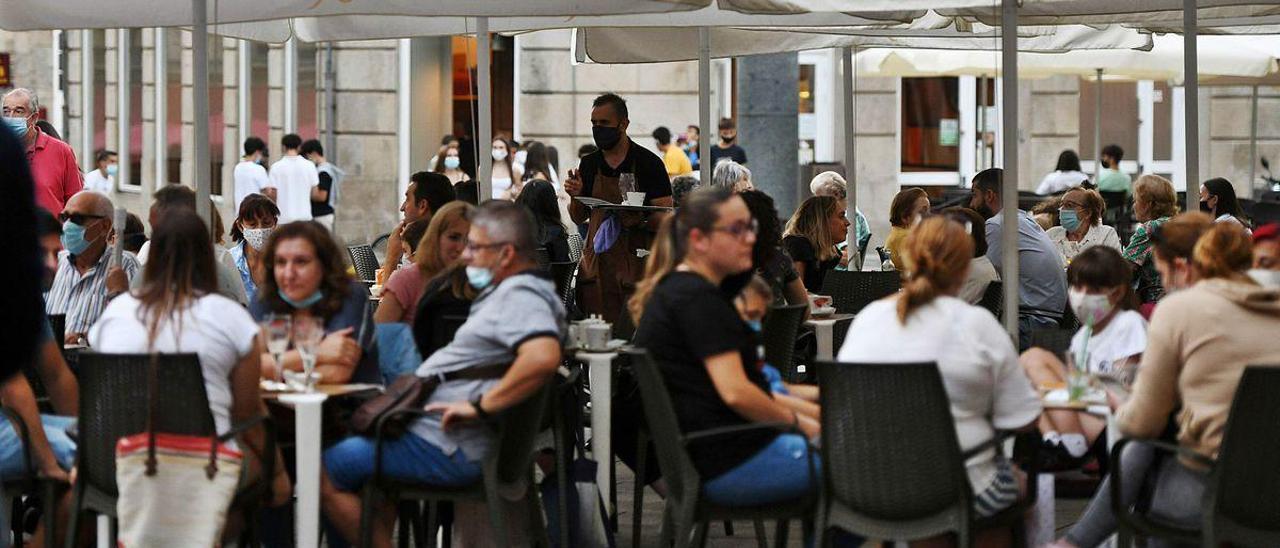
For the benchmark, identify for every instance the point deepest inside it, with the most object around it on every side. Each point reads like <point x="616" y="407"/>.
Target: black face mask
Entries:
<point x="606" y="137"/>
<point x="728" y="138"/>
<point x="1204" y="206"/>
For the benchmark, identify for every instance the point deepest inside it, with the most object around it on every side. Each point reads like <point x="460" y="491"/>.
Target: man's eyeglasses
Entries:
<point x="79" y="218"/>
<point x="740" y="229"/>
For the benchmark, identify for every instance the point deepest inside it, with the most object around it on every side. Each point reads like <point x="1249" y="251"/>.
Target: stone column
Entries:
<point x="768" y="124"/>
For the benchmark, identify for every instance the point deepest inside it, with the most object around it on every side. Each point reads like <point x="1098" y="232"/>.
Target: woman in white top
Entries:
<point x="1065" y="176"/>
<point x="448" y="162"/>
<point x="981" y="271"/>
<point x="1080" y="224"/>
<point x="178" y="310"/>
<point x="1110" y="343"/>
<point x="925" y="322"/>
<point x="506" y="175"/>
<point x="1218" y="198"/>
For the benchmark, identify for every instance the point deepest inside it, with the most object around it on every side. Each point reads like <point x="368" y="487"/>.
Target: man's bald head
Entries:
<point x="92" y="203"/>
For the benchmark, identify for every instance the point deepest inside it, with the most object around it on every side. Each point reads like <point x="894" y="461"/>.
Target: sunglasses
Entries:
<point x="79" y="218"/>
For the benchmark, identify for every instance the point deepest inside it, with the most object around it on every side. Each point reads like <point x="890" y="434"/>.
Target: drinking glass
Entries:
<point x="307" y="334"/>
<point x="276" y="330"/>
<point x="1077" y="379"/>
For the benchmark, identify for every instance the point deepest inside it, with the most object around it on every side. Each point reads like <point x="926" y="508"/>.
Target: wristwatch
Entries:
<point x="480" y="412"/>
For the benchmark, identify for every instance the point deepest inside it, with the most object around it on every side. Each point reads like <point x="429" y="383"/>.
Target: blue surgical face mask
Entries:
<point x="452" y="162"/>
<point x="754" y="325"/>
<point x="479" y="277"/>
<point x="1069" y="219"/>
<point x="304" y="303"/>
<point x="112" y="170"/>
<point x="17" y="125"/>
<point x="73" y="238"/>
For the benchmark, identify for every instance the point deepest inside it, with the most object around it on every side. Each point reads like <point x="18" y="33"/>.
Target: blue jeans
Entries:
<point x="12" y="464"/>
<point x="350" y="463"/>
<point x="777" y="473"/>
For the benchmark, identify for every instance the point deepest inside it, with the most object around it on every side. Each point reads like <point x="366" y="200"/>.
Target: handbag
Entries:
<point x="174" y="489"/>
<point x="401" y="402"/>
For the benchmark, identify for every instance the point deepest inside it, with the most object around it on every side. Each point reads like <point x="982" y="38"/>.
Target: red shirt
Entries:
<point x="54" y="169"/>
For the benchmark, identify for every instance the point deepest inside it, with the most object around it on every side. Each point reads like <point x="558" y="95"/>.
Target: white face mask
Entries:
<point x="256" y="237"/>
<point x="1089" y="308"/>
<point x="1265" y="277"/>
<point x="499" y="154"/>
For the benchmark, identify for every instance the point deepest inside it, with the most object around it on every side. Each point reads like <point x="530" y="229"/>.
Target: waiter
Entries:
<point x="610" y="265"/>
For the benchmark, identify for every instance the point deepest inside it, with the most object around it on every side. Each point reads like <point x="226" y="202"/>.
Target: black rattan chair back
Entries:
<point x="563" y="273"/>
<point x="851" y="291"/>
<point x="58" y="324"/>
<point x="364" y="261"/>
<point x="1056" y="341"/>
<point x="877" y="482"/>
<point x="1243" y="507"/>
<point x="518" y="428"/>
<point x="664" y="428"/>
<point x="781" y="327"/>
<point x="113" y="404"/>
<point x="993" y="299"/>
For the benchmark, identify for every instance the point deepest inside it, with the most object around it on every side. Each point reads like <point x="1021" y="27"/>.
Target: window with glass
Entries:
<point x="808" y="120"/>
<point x="930" y="124"/>
<point x="1119" y="119"/>
<point x="172" y="117"/>
<point x="217" y="121"/>
<point x="307" y="84"/>
<point x="99" y="123"/>
<point x="132" y="152"/>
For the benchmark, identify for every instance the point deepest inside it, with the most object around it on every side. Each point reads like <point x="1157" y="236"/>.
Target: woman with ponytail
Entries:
<point x="708" y="356"/>
<point x="925" y="322"/>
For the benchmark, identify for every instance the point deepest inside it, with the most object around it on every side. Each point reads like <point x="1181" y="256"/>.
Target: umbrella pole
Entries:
<point x="1097" y="128"/>
<point x="484" y="55"/>
<point x="200" y="106"/>
<point x="704" y="105"/>
<point x="1253" y="141"/>
<point x="1191" y="111"/>
<point x="850" y="155"/>
<point x="1009" y="182"/>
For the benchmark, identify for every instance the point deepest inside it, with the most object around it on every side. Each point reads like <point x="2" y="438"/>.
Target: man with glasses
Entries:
<point x="506" y="351"/>
<point x="85" y="279"/>
<point x="53" y="163"/>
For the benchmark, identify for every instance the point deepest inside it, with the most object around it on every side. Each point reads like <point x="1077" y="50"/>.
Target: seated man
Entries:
<point x="52" y="451"/>
<point x="85" y="279"/>
<point x="517" y="319"/>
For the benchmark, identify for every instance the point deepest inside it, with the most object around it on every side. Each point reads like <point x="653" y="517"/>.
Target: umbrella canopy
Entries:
<point x="659" y="45"/>
<point x="1218" y="55"/>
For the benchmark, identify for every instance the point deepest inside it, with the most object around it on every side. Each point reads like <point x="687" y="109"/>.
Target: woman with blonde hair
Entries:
<point x="925" y="322"/>
<point x="811" y="237"/>
<point x="439" y="248"/>
<point x="1154" y="203"/>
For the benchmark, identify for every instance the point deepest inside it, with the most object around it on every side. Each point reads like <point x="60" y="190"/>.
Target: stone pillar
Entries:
<point x="768" y="125"/>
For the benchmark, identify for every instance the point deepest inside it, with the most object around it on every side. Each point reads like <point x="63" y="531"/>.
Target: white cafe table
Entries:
<point x="600" y="374"/>
<point x="824" y="330"/>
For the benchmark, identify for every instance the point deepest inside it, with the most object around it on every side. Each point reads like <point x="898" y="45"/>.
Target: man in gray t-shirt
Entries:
<point x="517" y="319"/>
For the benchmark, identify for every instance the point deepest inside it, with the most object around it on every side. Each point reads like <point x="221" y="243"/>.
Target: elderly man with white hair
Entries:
<point x="53" y="163"/>
<point x="86" y="280"/>
<point x="830" y="183"/>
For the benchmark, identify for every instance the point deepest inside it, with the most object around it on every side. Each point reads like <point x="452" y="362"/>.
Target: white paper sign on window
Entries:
<point x="949" y="132"/>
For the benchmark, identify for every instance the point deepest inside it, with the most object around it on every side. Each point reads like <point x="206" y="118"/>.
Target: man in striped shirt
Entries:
<point x="86" y="280"/>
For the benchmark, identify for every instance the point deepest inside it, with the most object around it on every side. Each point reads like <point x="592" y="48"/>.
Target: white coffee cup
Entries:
<point x="597" y="335"/>
<point x="635" y="198"/>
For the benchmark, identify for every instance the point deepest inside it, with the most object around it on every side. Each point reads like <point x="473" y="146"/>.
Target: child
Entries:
<point x="753" y="303"/>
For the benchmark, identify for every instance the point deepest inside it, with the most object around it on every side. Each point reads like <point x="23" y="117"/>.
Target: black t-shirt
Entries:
<point x="686" y="321"/>
<point x="551" y="236"/>
<point x="439" y="315"/>
<point x="779" y="272"/>
<point x="323" y="208"/>
<point x="650" y="172"/>
<point x="734" y="152"/>
<point x="802" y="251"/>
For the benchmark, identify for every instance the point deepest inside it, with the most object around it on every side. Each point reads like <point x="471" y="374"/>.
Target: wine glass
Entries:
<point x="307" y="334"/>
<point x="276" y="330"/>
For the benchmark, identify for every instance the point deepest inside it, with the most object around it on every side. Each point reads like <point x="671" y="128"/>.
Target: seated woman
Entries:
<point x="539" y="197"/>
<point x="707" y="355"/>
<point x="1154" y="203"/>
<point x="1111" y="341"/>
<point x="1066" y="175"/>
<point x="978" y="363"/>
<point x="1200" y="341"/>
<point x="309" y="279"/>
<point x="811" y="237"/>
<point x="404" y="286"/>
<point x="908" y="208"/>
<point x="446" y="296"/>
<point x="178" y="309"/>
<point x="1080" y="224"/>
<point x="1218" y="198"/>
<point x="251" y="229"/>
<point x="981" y="271"/>
<point x="767" y="256"/>
<point x="753" y="304"/>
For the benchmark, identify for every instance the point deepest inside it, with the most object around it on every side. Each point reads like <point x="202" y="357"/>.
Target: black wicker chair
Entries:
<point x="993" y="299"/>
<point x="781" y="327"/>
<point x="687" y="513"/>
<point x="564" y="273"/>
<point x="1056" y="341"/>
<point x="1240" y="505"/>
<point x="365" y="263"/>
<point x="24" y="488"/>
<point x="509" y="464"/>
<point x="113" y="404"/>
<point x="851" y="291"/>
<point x="58" y="324"/>
<point x="881" y="484"/>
